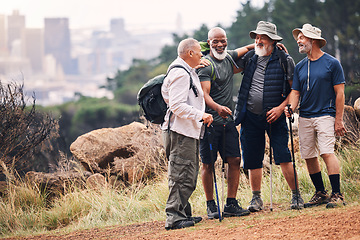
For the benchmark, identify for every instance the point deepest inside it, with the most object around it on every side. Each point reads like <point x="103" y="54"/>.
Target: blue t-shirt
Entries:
<point x="317" y="95"/>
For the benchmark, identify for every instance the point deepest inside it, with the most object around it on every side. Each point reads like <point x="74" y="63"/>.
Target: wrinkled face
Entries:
<point x="218" y="45"/>
<point x="304" y="43"/>
<point x="195" y="55"/>
<point x="263" y="45"/>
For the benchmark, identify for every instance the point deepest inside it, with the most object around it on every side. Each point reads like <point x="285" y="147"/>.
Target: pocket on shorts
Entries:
<point x="178" y="168"/>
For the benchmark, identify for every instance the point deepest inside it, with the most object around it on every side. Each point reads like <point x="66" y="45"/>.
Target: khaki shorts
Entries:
<point x="316" y="136"/>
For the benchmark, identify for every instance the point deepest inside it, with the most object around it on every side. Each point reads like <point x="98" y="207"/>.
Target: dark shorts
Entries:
<point x="214" y="135"/>
<point x="252" y="137"/>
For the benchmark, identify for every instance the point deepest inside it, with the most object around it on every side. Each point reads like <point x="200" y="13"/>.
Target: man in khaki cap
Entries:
<point x="319" y="84"/>
<point x="264" y="94"/>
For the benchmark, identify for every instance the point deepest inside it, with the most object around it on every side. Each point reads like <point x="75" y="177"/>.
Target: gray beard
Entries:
<point x="305" y="48"/>
<point x="217" y="55"/>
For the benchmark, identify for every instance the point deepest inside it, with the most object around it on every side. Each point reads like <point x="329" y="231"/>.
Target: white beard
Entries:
<point x="263" y="51"/>
<point x="217" y="55"/>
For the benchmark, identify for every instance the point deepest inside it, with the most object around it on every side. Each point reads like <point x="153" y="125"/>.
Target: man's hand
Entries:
<point x="273" y="114"/>
<point x="203" y="63"/>
<point x="223" y="111"/>
<point x="288" y="111"/>
<point x="340" y="129"/>
<point x="207" y="119"/>
<point x="282" y="47"/>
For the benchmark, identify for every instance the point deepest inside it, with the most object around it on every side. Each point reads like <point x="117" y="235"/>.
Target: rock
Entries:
<point x="96" y="182"/>
<point x="57" y="183"/>
<point x="132" y="152"/>
<point x="352" y="125"/>
<point x="357" y="107"/>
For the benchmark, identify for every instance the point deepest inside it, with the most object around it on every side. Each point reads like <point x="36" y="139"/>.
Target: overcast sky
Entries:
<point x="137" y="13"/>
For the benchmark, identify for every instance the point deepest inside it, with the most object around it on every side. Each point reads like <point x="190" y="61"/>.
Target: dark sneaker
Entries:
<point x="336" y="200"/>
<point x="234" y="210"/>
<point x="296" y="202"/>
<point x="195" y="219"/>
<point x="212" y="210"/>
<point x="320" y="197"/>
<point x="181" y="224"/>
<point x="256" y="204"/>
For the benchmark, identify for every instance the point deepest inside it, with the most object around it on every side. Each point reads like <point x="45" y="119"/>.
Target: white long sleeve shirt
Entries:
<point x="187" y="109"/>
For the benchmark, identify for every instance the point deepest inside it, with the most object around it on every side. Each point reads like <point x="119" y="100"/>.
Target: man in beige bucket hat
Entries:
<point x="319" y="85"/>
<point x="264" y="94"/>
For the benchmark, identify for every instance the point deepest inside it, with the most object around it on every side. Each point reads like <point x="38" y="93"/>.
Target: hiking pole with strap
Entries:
<point x="213" y="166"/>
<point x="223" y="168"/>
<point x="291" y="120"/>
<point x="270" y="150"/>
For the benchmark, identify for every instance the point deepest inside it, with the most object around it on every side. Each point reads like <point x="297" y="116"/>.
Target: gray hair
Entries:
<point x="186" y="45"/>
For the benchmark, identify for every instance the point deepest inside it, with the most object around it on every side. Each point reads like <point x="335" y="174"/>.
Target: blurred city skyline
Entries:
<point x="138" y="14"/>
<point x="61" y="50"/>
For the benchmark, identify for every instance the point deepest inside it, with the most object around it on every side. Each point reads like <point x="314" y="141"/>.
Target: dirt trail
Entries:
<point x="315" y="223"/>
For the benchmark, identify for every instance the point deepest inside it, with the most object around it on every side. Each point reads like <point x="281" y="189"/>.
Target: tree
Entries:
<point x="22" y="129"/>
<point x="202" y="33"/>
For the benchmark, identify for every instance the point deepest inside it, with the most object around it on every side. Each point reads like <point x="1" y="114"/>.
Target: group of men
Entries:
<point x="272" y="88"/>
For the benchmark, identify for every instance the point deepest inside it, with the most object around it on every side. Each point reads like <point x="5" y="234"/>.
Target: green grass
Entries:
<point x="25" y="210"/>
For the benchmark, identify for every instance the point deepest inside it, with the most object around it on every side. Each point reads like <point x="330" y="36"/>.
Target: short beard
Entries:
<point x="305" y="48"/>
<point x="264" y="51"/>
<point x="217" y="55"/>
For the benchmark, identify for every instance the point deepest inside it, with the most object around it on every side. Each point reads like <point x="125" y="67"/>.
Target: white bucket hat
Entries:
<point x="266" y="28"/>
<point x="310" y="31"/>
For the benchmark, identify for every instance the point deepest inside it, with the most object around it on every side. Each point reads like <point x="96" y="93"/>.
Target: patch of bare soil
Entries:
<point x="315" y="223"/>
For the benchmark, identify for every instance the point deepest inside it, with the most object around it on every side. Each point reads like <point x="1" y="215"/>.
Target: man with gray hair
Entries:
<point x="182" y="129"/>
<point x="319" y="86"/>
<point x="263" y="96"/>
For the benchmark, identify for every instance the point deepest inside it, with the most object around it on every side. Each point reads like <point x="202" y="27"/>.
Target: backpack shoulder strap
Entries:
<point x="283" y="63"/>
<point x="192" y="86"/>
<point x="228" y="56"/>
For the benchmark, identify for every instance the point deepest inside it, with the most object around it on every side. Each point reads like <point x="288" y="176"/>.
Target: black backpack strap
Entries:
<point x="283" y="63"/>
<point x="192" y="86"/>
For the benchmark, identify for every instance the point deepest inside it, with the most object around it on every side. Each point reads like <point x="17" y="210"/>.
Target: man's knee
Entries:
<point x="207" y="167"/>
<point x="234" y="161"/>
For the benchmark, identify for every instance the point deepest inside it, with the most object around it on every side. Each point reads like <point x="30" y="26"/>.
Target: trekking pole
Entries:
<point x="270" y="150"/>
<point x="291" y="120"/>
<point x="223" y="168"/>
<point x="213" y="166"/>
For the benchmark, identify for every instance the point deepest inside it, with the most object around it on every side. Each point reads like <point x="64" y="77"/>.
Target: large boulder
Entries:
<point x="132" y="153"/>
<point x="352" y="125"/>
<point x="357" y="107"/>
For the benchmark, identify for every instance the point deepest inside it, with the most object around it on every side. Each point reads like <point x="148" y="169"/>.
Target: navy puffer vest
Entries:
<point x="273" y="84"/>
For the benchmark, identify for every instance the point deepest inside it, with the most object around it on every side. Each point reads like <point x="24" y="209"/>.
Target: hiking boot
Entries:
<point x="336" y="200"/>
<point x="212" y="210"/>
<point x="181" y="224"/>
<point x="195" y="219"/>
<point x="256" y="204"/>
<point x="320" y="197"/>
<point x="296" y="202"/>
<point x="234" y="210"/>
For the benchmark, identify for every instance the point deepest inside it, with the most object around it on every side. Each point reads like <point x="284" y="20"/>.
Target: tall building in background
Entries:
<point x="179" y="25"/>
<point x="34" y="48"/>
<point x="16" y="26"/>
<point x="3" y="36"/>
<point x="57" y="43"/>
